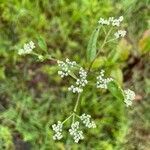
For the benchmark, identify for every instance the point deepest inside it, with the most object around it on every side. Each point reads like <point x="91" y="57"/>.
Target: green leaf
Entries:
<point x="73" y="75"/>
<point x="117" y="74"/>
<point x="99" y="62"/>
<point x="2" y="73"/>
<point x="42" y="44"/>
<point x="120" y="53"/>
<point x="91" y="49"/>
<point x="115" y="90"/>
<point x="144" y="43"/>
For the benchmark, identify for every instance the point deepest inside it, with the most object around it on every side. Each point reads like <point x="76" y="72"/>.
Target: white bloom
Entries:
<point x="103" y="21"/>
<point x="58" y="131"/>
<point x="65" y="67"/>
<point x="111" y="21"/>
<point x="57" y="136"/>
<point x="27" y="48"/>
<point x="80" y="82"/>
<point x="75" y="132"/>
<point x="121" y="18"/>
<point x="129" y="97"/>
<point x="116" y="22"/>
<point x="101" y="81"/>
<point x="32" y="45"/>
<point x="86" y="119"/>
<point x="120" y="33"/>
<point x="40" y="57"/>
<point x="75" y="89"/>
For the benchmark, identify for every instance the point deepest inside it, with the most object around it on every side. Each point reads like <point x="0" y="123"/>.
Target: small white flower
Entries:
<point x="40" y="57"/>
<point x="103" y="21"/>
<point x="102" y="81"/>
<point x="111" y="21"/>
<point x="75" y="89"/>
<point x="86" y="120"/>
<point x="27" y="48"/>
<point x="75" y="132"/>
<point x="116" y="22"/>
<point x="65" y="67"/>
<point x="120" y="33"/>
<point x="32" y="45"/>
<point x="129" y="97"/>
<point x="80" y="82"/>
<point x="57" y="136"/>
<point x="121" y="18"/>
<point x="57" y="128"/>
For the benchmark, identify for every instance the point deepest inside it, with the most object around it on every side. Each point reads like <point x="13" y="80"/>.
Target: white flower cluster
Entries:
<point x="65" y="67"/>
<point x="27" y="48"/>
<point x="75" y="132"/>
<point x="74" y="129"/>
<point x="80" y="83"/>
<point x="86" y="119"/>
<point x="101" y="81"/>
<point x="58" y="131"/>
<point x="111" y="21"/>
<point x="120" y="33"/>
<point x="129" y="97"/>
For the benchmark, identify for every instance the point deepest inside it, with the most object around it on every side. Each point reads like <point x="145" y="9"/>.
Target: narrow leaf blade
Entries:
<point x="115" y="90"/>
<point x="42" y="44"/>
<point x="91" y="48"/>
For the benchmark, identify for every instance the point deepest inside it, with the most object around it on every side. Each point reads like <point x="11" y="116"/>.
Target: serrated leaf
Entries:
<point x="115" y="90"/>
<point x="91" y="49"/>
<point x="42" y="44"/>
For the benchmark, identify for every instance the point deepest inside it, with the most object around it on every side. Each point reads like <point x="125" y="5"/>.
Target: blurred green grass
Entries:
<point x="32" y="97"/>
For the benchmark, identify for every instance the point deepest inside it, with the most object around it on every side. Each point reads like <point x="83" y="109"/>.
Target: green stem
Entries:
<point x="75" y="107"/>
<point x="77" y="116"/>
<point x="67" y="118"/>
<point x="51" y="58"/>
<point x="73" y="118"/>
<point x="77" y="103"/>
<point x="111" y="40"/>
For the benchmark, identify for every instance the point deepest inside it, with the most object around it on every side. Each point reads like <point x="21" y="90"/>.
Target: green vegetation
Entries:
<point x="33" y="97"/>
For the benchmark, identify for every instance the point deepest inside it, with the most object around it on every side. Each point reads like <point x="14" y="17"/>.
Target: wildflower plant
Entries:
<point x="81" y="77"/>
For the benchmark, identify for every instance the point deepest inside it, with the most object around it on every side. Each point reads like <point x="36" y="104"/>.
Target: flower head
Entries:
<point x="58" y="131"/>
<point x="111" y="21"/>
<point x="86" y="120"/>
<point x="80" y="82"/>
<point x="120" y="33"/>
<point x="75" y="132"/>
<point x="27" y="48"/>
<point x="102" y="81"/>
<point x="129" y="97"/>
<point x="65" y="67"/>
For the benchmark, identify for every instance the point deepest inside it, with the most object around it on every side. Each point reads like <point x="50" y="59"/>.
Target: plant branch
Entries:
<point x="79" y="95"/>
<point x="67" y="118"/>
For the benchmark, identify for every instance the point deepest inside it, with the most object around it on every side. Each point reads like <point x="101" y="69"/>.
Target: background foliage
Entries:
<point x="32" y="96"/>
